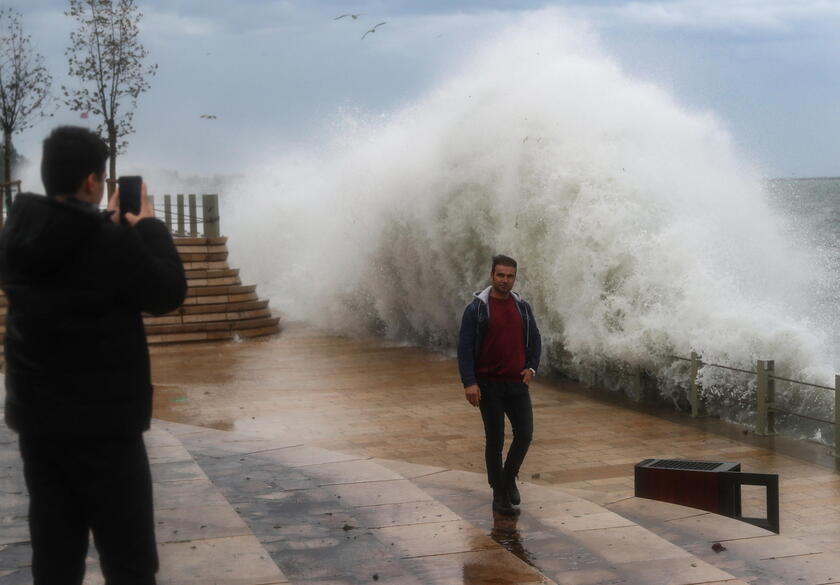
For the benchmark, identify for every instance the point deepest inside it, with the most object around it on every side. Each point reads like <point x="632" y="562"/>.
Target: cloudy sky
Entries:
<point x="281" y="75"/>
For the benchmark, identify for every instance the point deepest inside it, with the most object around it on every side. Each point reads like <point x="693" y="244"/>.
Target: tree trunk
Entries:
<point x="7" y="156"/>
<point x="6" y="202"/>
<point x="112" y="150"/>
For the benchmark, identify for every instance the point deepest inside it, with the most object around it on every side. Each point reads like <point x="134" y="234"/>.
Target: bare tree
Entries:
<point x="105" y="53"/>
<point x="24" y="87"/>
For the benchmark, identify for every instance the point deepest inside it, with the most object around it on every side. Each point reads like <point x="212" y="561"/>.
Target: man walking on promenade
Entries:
<point x="78" y="385"/>
<point x="498" y="353"/>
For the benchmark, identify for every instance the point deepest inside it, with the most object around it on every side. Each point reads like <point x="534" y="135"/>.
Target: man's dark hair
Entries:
<point x="503" y="260"/>
<point x="71" y="153"/>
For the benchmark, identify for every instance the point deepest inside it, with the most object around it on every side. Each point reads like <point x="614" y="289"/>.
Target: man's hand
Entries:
<point x="146" y="209"/>
<point x="473" y="394"/>
<point x="527" y="374"/>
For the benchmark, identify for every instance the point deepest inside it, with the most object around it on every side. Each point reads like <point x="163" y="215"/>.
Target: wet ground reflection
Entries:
<point x="506" y="534"/>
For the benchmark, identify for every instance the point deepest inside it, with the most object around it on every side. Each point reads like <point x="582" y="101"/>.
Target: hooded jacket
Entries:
<point x="474" y="325"/>
<point x="77" y="363"/>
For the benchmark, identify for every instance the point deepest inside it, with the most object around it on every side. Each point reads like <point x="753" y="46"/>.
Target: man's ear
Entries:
<point x="90" y="184"/>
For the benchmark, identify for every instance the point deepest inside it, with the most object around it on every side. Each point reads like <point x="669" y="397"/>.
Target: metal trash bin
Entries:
<point x="713" y="486"/>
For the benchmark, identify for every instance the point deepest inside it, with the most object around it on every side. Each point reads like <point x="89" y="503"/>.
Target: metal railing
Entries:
<point x="766" y="406"/>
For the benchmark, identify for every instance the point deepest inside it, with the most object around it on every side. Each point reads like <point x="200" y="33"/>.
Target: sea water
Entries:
<point x="642" y="233"/>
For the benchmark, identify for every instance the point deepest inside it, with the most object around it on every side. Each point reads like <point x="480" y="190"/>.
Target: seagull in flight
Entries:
<point x="373" y="30"/>
<point x="353" y="16"/>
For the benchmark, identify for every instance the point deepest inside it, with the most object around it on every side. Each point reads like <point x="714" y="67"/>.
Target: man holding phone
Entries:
<point x="77" y="366"/>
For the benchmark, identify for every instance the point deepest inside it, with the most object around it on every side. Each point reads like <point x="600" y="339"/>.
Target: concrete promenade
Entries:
<point x="317" y="459"/>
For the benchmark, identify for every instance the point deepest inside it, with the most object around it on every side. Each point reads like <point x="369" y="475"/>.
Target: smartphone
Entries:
<point x="129" y="195"/>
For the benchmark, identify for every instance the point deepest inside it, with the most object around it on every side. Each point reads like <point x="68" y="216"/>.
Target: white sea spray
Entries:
<point x="640" y="230"/>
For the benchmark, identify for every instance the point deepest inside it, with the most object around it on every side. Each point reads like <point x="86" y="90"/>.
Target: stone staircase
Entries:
<point x="218" y="306"/>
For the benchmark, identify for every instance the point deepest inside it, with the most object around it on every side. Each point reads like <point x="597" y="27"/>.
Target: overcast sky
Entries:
<point x="280" y="74"/>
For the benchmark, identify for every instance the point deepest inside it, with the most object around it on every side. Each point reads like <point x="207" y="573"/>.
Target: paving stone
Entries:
<point x="434" y="539"/>
<point x="402" y="514"/>
<point x="595" y="521"/>
<point x="198" y="522"/>
<point x="409" y="470"/>
<point x="168" y="454"/>
<point x="15" y="556"/>
<point x="494" y="567"/>
<point x="344" y="472"/>
<point x="176" y="471"/>
<point x="714" y="528"/>
<point x="628" y="544"/>
<point x="183" y="494"/>
<point x="680" y="571"/>
<point x="21" y="576"/>
<point x="239" y="560"/>
<point x="379" y="492"/>
<point x="14" y="532"/>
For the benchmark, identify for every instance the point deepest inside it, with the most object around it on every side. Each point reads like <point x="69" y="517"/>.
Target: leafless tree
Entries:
<point x="106" y="55"/>
<point x="24" y="87"/>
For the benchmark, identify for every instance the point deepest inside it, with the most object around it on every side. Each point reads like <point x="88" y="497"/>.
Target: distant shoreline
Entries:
<point x="804" y="179"/>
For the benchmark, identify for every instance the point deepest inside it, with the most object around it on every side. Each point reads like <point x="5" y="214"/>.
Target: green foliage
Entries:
<point x="106" y="56"/>
<point x="24" y="83"/>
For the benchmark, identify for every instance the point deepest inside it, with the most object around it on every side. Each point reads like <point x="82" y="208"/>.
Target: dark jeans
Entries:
<point x="497" y="400"/>
<point x="97" y="484"/>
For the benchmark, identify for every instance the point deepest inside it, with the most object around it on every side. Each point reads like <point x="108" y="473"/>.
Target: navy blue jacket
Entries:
<point x="474" y="325"/>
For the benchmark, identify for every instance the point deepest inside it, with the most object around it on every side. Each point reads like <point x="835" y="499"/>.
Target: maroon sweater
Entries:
<point x="502" y="354"/>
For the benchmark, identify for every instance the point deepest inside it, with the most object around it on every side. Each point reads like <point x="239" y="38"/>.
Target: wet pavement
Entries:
<point x="402" y="403"/>
<point x="316" y="459"/>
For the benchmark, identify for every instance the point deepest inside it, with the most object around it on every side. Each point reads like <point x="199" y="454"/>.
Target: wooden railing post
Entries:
<point x="167" y="211"/>
<point x="210" y="212"/>
<point x="693" y="393"/>
<point x="636" y="384"/>
<point x="765" y="416"/>
<point x="193" y="216"/>
<point x="179" y="210"/>
<point x="836" y="415"/>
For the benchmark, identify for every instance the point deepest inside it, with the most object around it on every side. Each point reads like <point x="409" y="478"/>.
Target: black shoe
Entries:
<point x="513" y="493"/>
<point x="501" y="503"/>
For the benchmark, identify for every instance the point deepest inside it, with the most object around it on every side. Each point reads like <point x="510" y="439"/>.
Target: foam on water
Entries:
<point x="639" y="230"/>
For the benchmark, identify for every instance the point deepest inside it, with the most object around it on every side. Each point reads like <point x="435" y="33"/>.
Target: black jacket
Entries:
<point x="474" y="324"/>
<point x="77" y="363"/>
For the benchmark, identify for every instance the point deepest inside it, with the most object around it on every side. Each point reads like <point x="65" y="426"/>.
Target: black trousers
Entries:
<point x="500" y="399"/>
<point x="101" y="485"/>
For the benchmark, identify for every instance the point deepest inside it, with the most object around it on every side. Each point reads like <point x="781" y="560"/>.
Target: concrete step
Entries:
<point x="246" y="296"/>
<point x="216" y="331"/>
<point x="221" y="325"/>
<point x="205" y="265"/>
<point x="202" y="274"/>
<point x="189" y="318"/>
<point x="220" y="308"/>
<point x="217" y="307"/>
<point x="187" y="256"/>
<point x="187" y="241"/>
<point x="193" y="282"/>
<point x="233" y="289"/>
<point x="203" y="249"/>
